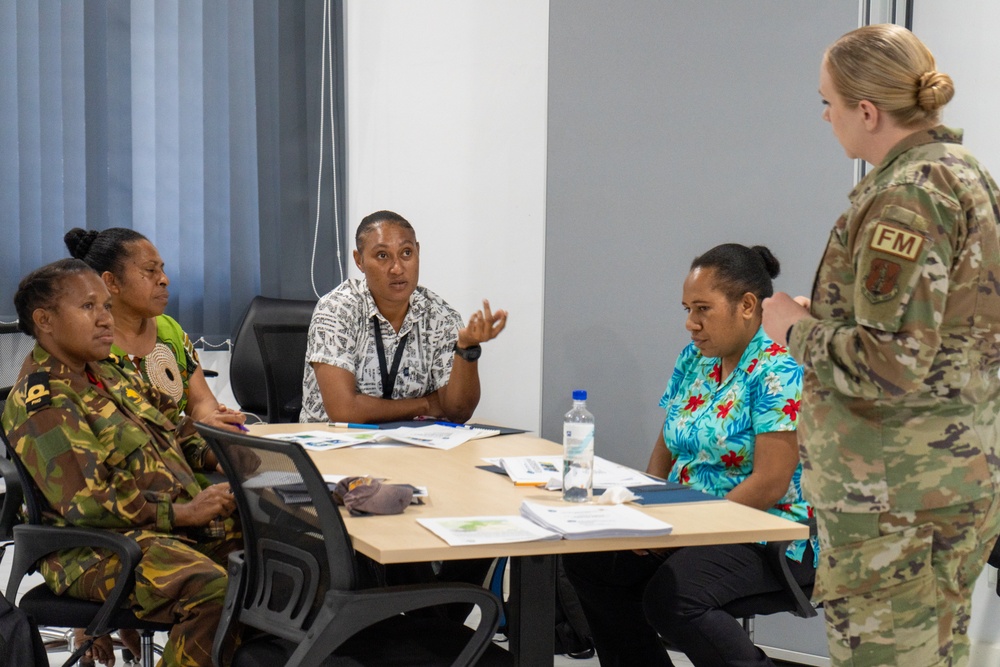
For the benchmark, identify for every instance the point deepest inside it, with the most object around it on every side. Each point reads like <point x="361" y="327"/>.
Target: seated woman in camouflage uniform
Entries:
<point x="108" y="452"/>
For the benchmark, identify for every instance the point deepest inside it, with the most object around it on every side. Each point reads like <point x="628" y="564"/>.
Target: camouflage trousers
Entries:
<point x="897" y="587"/>
<point x="176" y="583"/>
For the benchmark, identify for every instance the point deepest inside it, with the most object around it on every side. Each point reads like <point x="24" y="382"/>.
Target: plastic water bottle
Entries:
<point x="578" y="451"/>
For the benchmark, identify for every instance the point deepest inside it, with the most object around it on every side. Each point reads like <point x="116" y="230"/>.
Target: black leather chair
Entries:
<point x="793" y="598"/>
<point x="247" y="376"/>
<point x="33" y="540"/>
<point x="297" y="583"/>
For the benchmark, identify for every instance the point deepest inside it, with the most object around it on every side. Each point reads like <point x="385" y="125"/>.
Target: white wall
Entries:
<point x="962" y="36"/>
<point x="446" y="118"/>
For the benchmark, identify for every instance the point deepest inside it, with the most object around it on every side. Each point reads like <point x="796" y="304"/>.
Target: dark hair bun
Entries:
<point x="78" y="241"/>
<point x="771" y="262"/>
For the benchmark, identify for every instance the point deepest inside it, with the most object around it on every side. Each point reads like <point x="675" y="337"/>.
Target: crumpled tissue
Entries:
<point x="616" y="495"/>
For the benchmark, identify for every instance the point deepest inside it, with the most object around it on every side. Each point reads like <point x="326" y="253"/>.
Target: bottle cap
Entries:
<point x="579" y="395"/>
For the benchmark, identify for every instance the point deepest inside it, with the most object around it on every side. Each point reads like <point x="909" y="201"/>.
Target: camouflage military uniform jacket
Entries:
<point x="106" y="457"/>
<point x="900" y="390"/>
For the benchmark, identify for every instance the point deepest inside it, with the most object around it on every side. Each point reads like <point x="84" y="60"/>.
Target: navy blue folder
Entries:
<point x="657" y="493"/>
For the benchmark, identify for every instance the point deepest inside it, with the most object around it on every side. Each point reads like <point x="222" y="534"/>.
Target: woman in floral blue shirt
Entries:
<point x="729" y="430"/>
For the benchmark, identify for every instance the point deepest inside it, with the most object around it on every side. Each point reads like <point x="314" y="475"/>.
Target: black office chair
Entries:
<point x="14" y="347"/>
<point x="247" y="376"/>
<point x="283" y="351"/>
<point x="33" y="540"/>
<point x="793" y="598"/>
<point x="994" y="560"/>
<point x="10" y="504"/>
<point x="4" y="393"/>
<point x="296" y="582"/>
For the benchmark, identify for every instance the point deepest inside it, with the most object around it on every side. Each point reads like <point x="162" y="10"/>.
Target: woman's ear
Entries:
<point x="110" y="282"/>
<point x="748" y="305"/>
<point x="869" y="114"/>
<point x="42" y="320"/>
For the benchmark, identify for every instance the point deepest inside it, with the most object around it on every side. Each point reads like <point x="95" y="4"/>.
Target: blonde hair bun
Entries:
<point x="934" y="90"/>
<point x="888" y="66"/>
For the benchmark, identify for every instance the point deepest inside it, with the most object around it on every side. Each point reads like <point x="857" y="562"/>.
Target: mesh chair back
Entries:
<point x="295" y="542"/>
<point x="14" y="347"/>
<point x="283" y="351"/>
<point x="34" y="502"/>
<point x="10" y="501"/>
<point x="4" y="393"/>
<point x="246" y="365"/>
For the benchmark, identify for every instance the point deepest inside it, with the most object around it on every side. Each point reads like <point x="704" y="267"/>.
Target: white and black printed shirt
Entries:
<point x="342" y="334"/>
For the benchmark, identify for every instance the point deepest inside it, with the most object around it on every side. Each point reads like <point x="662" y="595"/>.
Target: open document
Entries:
<point x="586" y="521"/>
<point x="435" y="437"/>
<point x="547" y="471"/>
<point x="461" y="531"/>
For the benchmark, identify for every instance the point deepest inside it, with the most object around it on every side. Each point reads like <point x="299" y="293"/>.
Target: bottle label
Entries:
<point x="578" y="438"/>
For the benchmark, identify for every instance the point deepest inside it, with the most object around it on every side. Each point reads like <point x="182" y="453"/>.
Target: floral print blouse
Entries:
<point x="711" y="425"/>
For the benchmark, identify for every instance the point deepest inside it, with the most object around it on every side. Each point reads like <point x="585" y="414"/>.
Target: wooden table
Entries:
<point x="457" y="488"/>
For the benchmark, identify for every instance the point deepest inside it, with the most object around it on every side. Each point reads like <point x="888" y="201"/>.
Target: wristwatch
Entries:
<point x="469" y="353"/>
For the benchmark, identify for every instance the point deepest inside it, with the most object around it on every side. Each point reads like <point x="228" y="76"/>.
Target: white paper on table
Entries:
<point x="434" y="436"/>
<point x="323" y="440"/>
<point x="546" y="471"/>
<point x="532" y="470"/>
<point x="462" y="531"/>
<point x="586" y="521"/>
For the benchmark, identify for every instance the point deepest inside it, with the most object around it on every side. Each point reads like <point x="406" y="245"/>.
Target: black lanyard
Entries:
<point x="388" y="376"/>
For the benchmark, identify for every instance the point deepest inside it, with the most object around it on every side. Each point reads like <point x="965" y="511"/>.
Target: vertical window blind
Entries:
<point x="194" y="122"/>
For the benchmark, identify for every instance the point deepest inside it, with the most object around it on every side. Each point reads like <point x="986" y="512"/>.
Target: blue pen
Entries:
<point x="243" y="428"/>
<point x="451" y="425"/>
<point x="352" y="425"/>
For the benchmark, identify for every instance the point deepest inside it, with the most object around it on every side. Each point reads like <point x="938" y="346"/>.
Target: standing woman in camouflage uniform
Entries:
<point x="106" y="454"/>
<point x="900" y="343"/>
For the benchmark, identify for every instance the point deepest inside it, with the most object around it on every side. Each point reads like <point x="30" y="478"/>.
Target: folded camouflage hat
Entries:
<point x="365" y="495"/>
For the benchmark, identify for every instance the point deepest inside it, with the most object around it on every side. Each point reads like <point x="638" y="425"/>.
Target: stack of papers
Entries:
<point x="547" y="522"/>
<point x="435" y="436"/>
<point x="462" y="531"/>
<point x="586" y="521"/>
<point x="547" y="471"/>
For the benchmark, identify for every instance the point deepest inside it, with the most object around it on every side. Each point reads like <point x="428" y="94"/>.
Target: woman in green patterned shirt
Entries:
<point x="147" y="340"/>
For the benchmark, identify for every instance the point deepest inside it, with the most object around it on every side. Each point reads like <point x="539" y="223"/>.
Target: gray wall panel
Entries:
<point x="673" y="126"/>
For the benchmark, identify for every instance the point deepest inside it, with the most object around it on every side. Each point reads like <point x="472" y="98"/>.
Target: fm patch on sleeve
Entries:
<point x="895" y="241"/>
<point x="37" y="395"/>
<point x="881" y="281"/>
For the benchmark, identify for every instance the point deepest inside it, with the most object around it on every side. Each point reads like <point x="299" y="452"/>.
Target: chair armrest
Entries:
<point x="32" y="542"/>
<point x="235" y="590"/>
<point x="345" y="613"/>
<point x="776" y="559"/>
<point x="12" y="498"/>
